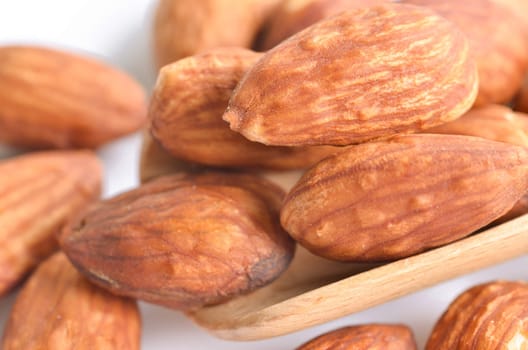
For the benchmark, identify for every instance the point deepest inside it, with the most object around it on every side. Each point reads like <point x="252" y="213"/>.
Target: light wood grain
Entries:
<point x="314" y="291"/>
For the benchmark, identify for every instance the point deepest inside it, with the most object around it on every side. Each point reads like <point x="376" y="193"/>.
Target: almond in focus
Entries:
<point x="53" y="99"/>
<point x="59" y="309"/>
<point x="183" y="241"/>
<point x="390" y="199"/>
<point x="361" y="75"/>
<point x="39" y="193"/>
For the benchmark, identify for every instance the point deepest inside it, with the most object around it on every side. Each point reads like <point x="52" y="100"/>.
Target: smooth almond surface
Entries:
<point x="190" y="98"/>
<point x="362" y="75"/>
<point x="391" y="199"/>
<point x="39" y="192"/>
<point x="54" y="99"/>
<point x="57" y="309"/>
<point x="183" y="241"/>
<point x="498" y="42"/>
<point x="489" y="316"/>
<point x="365" y="337"/>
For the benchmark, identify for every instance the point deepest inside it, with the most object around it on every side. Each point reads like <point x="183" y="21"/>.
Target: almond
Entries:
<point x="489" y="316"/>
<point x="492" y="122"/>
<point x="186" y="27"/>
<point x="39" y="192"/>
<point x="53" y="99"/>
<point x="497" y="40"/>
<point x="362" y="75"/>
<point x="365" y="337"/>
<point x="292" y="16"/>
<point x="190" y="98"/>
<point x="183" y="241"/>
<point x="520" y="208"/>
<point x="391" y="199"/>
<point x="58" y="309"/>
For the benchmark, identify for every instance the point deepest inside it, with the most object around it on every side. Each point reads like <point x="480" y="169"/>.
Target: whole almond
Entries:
<point x="186" y="27"/>
<point x="183" y="241"/>
<point x="58" y="309"/>
<point x="492" y="122"/>
<point x="190" y="98"/>
<point x="365" y="337"/>
<point x="497" y="40"/>
<point x="39" y="192"/>
<point x="489" y="316"/>
<point x="292" y="16"/>
<point x="54" y="99"/>
<point x="391" y="199"/>
<point x="352" y="78"/>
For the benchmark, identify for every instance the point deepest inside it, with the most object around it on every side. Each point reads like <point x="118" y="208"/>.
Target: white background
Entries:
<point x="119" y="31"/>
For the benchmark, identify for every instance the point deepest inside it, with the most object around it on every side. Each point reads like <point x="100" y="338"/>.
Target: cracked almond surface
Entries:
<point x="390" y="199"/>
<point x="183" y="241"/>
<point x="361" y="75"/>
<point x="489" y="316"/>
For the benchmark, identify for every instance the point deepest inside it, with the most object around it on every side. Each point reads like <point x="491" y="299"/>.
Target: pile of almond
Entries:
<point x="397" y="117"/>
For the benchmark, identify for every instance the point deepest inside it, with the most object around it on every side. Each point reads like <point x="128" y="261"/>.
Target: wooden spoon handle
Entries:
<point x="372" y="287"/>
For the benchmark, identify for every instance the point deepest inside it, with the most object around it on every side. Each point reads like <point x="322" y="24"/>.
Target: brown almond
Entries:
<point x="54" y="99"/>
<point x="361" y="75"/>
<point x="489" y="316"/>
<point x="58" y="309"/>
<point x="292" y="16"/>
<point x="492" y="122"/>
<point x="183" y="241"/>
<point x="365" y="337"/>
<point x="391" y="199"/>
<point x="186" y="27"/>
<point x="39" y="192"/>
<point x="497" y="40"/>
<point x="190" y="98"/>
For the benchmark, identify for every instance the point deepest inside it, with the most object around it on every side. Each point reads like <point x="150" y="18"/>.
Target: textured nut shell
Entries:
<point x="183" y="241"/>
<point x="497" y="40"/>
<point x="58" y="309"/>
<point x="390" y="199"/>
<point x="361" y="75"/>
<point x="186" y="27"/>
<point x="186" y="115"/>
<point x="492" y="122"/>
<point x="292" y="16"/>
<point x="366" y="337"/>
<point x="39" y="192"/>
<point x="489" y="316"/>
<point x="52" y="99"/>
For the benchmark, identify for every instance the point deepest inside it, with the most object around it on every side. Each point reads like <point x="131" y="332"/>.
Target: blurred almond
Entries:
<point x="53" y="99"/>
<point x="39" y="192"/>
<point x="58" y="309"/>
<point x="292" y="16"/>
<point x="186" y="27"/>
<point x="183" y="241"/>
<point x="348" y="79"/>
<point x="186" y="114"/>
<point x="497" y="40"/>
<point x="386" y="200"/>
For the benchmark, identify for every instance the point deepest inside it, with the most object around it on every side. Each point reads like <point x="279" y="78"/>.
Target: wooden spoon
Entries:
<point x="314" y="291"/>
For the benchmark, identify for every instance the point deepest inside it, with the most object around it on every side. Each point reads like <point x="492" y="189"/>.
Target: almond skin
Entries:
<point x="520" y="208"/>
<point x="183" y="241"/>
<point x="54" y="99"/>
<point x="489" y="316"/>
<point x="190" y="98"/>
<point x="365" y="337"/>
<point x="292" y="16"/>
<point x="39" y="192"/>
<point x="497" y="40"/>
<point x="186" y="27"/>
<point x="58" y="309"/>
<point x="492" y="122"/>
<point x="386" y="200"/>
<point x="352" y="78"/>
